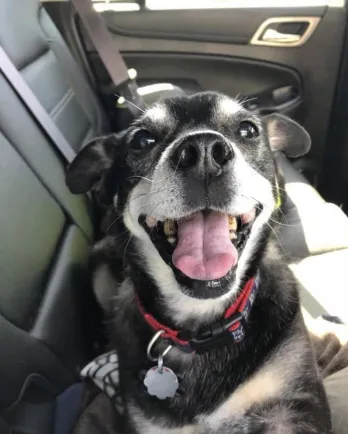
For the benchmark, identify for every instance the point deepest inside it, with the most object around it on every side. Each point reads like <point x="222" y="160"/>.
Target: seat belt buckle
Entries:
<point x="219" y="333"/>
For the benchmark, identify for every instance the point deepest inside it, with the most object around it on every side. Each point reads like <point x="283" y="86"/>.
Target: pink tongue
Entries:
<point x="204" y="250"/>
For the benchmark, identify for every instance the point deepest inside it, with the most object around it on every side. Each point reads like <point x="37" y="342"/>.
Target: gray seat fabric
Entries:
<point x="309" y="226"/>
<point x="323" y="289"/>
<point x="45" y="233"/>
<point x="37" y="49"/>
<point x="47" y="308"/>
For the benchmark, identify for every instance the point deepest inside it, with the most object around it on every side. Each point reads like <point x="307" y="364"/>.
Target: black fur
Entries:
<point x="275" y="323"/>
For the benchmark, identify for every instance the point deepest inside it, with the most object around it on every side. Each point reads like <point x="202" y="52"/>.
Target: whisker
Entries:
<point x="276" y="221"/>
<point x="111" y="224"/>
<point x="141" y="206"/>
<point x="243" y="100"/>
<point x="125" y="250"/>
<point x="177" y="166"/>
<point x="145" y="194"/>
<point x="150" y="180"/>
<point x="140" y="177"/>
<point x="130" y="102"/>
<point x="287" y="224"/>
<point x="284" y="216"/>
<point x="278" y="188"/>
<point x="275" y="234"/>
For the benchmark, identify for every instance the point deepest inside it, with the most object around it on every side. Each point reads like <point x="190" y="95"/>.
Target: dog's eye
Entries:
<point x="247" y="130"/>
<point x="142" y="140"/>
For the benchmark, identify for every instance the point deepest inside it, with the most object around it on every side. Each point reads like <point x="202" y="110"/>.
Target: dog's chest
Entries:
<point x="206" y="424"/>
<point x="269" y="383"/>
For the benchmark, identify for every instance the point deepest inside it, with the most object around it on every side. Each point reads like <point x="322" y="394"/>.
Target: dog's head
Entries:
<point x="194" y="180"/>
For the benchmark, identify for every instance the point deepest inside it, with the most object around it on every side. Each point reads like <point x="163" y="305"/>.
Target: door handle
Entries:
<point x="285" y="31"/>
<point x="272" y="35"/>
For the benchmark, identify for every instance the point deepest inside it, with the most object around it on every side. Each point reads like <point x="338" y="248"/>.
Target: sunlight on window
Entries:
<point x="115" y="6"/>
<point x="123" y="6"/>
<point x="211" y="4"/>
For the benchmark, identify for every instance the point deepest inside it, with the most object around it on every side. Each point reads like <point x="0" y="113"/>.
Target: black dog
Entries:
<point x="195" y="191"/>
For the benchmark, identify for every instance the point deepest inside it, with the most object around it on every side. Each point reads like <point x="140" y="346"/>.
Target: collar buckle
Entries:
<point x="220" y="333"/>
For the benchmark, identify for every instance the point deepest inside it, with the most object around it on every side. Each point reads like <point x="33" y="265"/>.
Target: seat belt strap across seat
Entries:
<point x="109" y="54"/>
<point x="28" y="97"/>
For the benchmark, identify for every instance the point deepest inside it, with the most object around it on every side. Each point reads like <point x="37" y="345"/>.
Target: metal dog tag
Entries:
<point x="161" y="381"/>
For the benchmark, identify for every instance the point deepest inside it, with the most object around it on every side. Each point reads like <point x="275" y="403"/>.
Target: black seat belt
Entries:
<point x="109" y="54"/>
<point x="27" y="96"/>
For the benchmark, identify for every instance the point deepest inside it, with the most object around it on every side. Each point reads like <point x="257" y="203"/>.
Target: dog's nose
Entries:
<point x="206" y="156"/>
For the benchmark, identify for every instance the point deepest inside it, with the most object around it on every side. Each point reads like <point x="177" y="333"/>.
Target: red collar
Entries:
<point x="230" y="329"/>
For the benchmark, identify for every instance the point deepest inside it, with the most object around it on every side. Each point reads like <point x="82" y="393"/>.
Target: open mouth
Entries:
<point x="203" y="246"/>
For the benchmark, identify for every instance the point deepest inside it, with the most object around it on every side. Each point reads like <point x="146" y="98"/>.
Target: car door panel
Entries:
<point x="234" y="26"/>
<point x="249" y="78"/>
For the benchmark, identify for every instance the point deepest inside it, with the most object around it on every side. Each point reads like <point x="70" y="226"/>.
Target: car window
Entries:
<point x="131" y="5"/>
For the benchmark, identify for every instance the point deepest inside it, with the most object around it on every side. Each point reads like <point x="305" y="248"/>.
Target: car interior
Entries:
<point x="289" y="58"/>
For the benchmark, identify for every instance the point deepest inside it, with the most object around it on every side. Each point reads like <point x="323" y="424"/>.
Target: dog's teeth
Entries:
<point x="169" y="228"/>
<point x="232" y="223"/>
<point x="171" y="240"/>
<point x="233" y="235"/>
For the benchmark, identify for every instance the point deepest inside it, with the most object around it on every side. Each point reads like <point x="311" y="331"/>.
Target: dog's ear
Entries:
<point x="92" y="162"/>
<point x="287" y="136"/>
